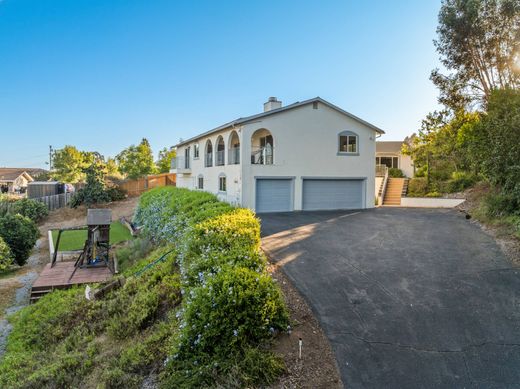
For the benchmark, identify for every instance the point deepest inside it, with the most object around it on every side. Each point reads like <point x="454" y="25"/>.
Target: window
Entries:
<point x="222" y="183"/>
<point x="187" y="157"/>
<point x="390" y="162"/>
<point x="196" y="151"/>
<point x="200" y="182"/>
<point x="348" y="143"/>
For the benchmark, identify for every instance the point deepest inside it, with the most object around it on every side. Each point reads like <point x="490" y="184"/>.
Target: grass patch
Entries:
<point x="75" y="240"/>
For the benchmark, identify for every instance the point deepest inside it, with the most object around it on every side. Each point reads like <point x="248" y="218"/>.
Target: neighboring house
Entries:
<point x="309" y="155"/>
<point x="389" y="153"/>
<point x="14" y="180"/>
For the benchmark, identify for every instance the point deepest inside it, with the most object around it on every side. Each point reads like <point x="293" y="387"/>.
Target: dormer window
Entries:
<point x="348" y="143"/>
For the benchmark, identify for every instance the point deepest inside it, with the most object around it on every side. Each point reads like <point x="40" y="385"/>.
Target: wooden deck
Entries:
<point x="58" y="277"/>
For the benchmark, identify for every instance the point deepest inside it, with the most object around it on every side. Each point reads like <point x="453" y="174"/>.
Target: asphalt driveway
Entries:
<point x="408" y="298"/>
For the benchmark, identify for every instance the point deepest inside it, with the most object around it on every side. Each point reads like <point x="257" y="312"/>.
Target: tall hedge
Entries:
<point x="230" y="303"/>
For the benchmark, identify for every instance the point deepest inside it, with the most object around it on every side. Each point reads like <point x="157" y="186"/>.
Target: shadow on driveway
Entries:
<point x="408" y="298"/>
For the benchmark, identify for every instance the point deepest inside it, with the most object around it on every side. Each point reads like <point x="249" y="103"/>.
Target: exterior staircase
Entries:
<point x="394" y="191"/>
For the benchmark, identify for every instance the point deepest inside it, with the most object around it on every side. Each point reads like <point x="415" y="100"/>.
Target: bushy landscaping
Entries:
<point x="20" y="233"/>
<point x="202" y="317"/>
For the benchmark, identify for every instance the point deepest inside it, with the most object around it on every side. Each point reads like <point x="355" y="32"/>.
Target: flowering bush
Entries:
<point x="230" y="303"/>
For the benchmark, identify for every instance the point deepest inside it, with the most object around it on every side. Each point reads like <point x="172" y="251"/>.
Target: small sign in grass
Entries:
<point x="75" y="240"/>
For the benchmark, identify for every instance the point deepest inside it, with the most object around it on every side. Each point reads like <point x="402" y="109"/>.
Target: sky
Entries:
<point x="102" y="74"/>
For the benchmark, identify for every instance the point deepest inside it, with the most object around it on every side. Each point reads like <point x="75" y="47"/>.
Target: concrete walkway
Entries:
<point x="409" y="298"/>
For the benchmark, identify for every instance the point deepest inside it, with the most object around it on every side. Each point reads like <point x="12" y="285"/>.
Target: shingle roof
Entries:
<point x="11" y="174"/>
<point x="275" y="111"/>
<point x="393" y="147"/>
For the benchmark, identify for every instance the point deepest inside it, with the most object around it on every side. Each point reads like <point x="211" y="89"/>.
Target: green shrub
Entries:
<point x="34" y="210"/>
<point x="20" y="233"/>
<point x="459" y="181"/>
<point x="417" y="187"/>
<point x="116" y="193"/>
<point x="433" y="194"/>
<point x="500" y="204"/>
<point x="6" y="257"/>
<point x="395" y="172"/>
<point x="132" y="251"/>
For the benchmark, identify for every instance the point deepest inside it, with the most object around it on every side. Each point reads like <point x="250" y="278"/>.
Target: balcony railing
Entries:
<point x="208" y="160"/>
<point x="262" y="155"/>
<point x="381" y="170"/>
<point x="234" y="156"/>
<point x="220" y="158"/>
<point x="181" y="164"/>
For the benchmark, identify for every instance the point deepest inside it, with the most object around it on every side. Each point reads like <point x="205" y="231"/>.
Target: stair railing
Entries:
<point x="383" y="191"/>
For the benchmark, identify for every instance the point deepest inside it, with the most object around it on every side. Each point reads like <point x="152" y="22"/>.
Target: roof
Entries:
<point x="393" y="147"/>
<point x="246" y="119"/>
<point x="11" y="174"/>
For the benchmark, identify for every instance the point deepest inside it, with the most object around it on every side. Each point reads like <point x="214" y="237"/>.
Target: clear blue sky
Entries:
<point x="102" y="74"/>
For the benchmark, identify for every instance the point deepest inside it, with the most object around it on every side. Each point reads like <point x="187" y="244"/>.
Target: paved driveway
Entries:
<point x="408" y="298"/>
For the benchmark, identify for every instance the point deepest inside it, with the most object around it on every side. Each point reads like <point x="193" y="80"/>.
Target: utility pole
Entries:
<point x="50" y="157"/>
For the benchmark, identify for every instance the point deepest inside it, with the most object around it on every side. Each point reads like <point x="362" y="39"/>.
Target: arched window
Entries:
<point x="222" y="184"/>
<point x="262" y="147"/>
<point x="234" y="149"/>
<point x="200" y="182"/>
<point x="221" y="151"/>
<point x="348" y="143"/>
<point x="208" y="154"/>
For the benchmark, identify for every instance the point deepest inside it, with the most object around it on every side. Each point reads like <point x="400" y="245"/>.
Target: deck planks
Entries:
<point x="58" y="276"/>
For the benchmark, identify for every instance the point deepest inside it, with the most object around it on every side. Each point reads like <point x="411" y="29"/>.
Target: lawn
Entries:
<point x="75" y="240"/>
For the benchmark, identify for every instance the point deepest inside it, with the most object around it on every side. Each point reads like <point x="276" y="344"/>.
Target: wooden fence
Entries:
<point x="55" y="201"/>
<point x="141" y="185"/>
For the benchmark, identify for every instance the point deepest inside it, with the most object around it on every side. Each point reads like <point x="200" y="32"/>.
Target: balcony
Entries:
<point x="262" y="155"/>
<point x="234" y="156"/>
<point x="181" y="165"/>
<point x="220" y="158"/>
<point x="208" y="159"/>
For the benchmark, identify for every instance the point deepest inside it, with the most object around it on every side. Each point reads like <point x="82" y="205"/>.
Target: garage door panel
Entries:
<point x="274" y="195"/>
<point x="332" y="194"/>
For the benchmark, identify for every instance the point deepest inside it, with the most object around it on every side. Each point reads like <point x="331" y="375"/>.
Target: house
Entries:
<point x="14" y="180"/>
<point x="310" y="155"/>
<point x="388" y="153"/>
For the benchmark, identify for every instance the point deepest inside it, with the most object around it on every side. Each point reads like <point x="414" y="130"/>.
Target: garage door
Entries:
<point x="332" y="194"/>
<point x="274" y="195"/>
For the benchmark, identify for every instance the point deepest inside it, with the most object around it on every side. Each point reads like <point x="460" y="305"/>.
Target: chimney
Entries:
<point x="271" y="104"/>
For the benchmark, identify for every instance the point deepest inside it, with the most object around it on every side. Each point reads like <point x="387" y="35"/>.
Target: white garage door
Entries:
<point x="274" y="195"/>
<point x="332" y="194"/>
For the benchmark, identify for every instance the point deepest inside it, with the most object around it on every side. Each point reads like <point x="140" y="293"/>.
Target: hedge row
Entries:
<point x="230" y="305"/>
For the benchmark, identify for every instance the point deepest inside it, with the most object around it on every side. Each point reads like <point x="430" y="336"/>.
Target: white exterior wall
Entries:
<point x="406" y="165"/>
<point x="306" y="143"/>
<point x="211" y="174"/>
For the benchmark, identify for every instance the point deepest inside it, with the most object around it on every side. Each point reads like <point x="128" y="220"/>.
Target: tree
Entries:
<point x="68" y="164"/>
<point x="479" y="42"/>
<point x="95" y="188"/>
<point x="495" y="141"/>
<point x="112" y="168"/>
<point x="20" y="233"/>
<point x="136" y="161"/>
<point x="165" y="157"/>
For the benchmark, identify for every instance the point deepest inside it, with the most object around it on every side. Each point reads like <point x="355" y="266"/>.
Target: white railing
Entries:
<point x="383" y="186"/>
<point x="234" y="156"/>
<point x="181" y="164"/>
<point x="262" y="155"/>
<point x="220" y="158"/>
<point x="208" y="159"/>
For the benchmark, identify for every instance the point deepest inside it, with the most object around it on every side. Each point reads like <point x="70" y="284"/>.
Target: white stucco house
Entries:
<point x="389" y="153"/>
<point x="310" y="155"/>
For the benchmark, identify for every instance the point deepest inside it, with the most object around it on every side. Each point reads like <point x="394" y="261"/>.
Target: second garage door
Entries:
<point x="332" y="194"/>
<point x="274" y="195"/>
